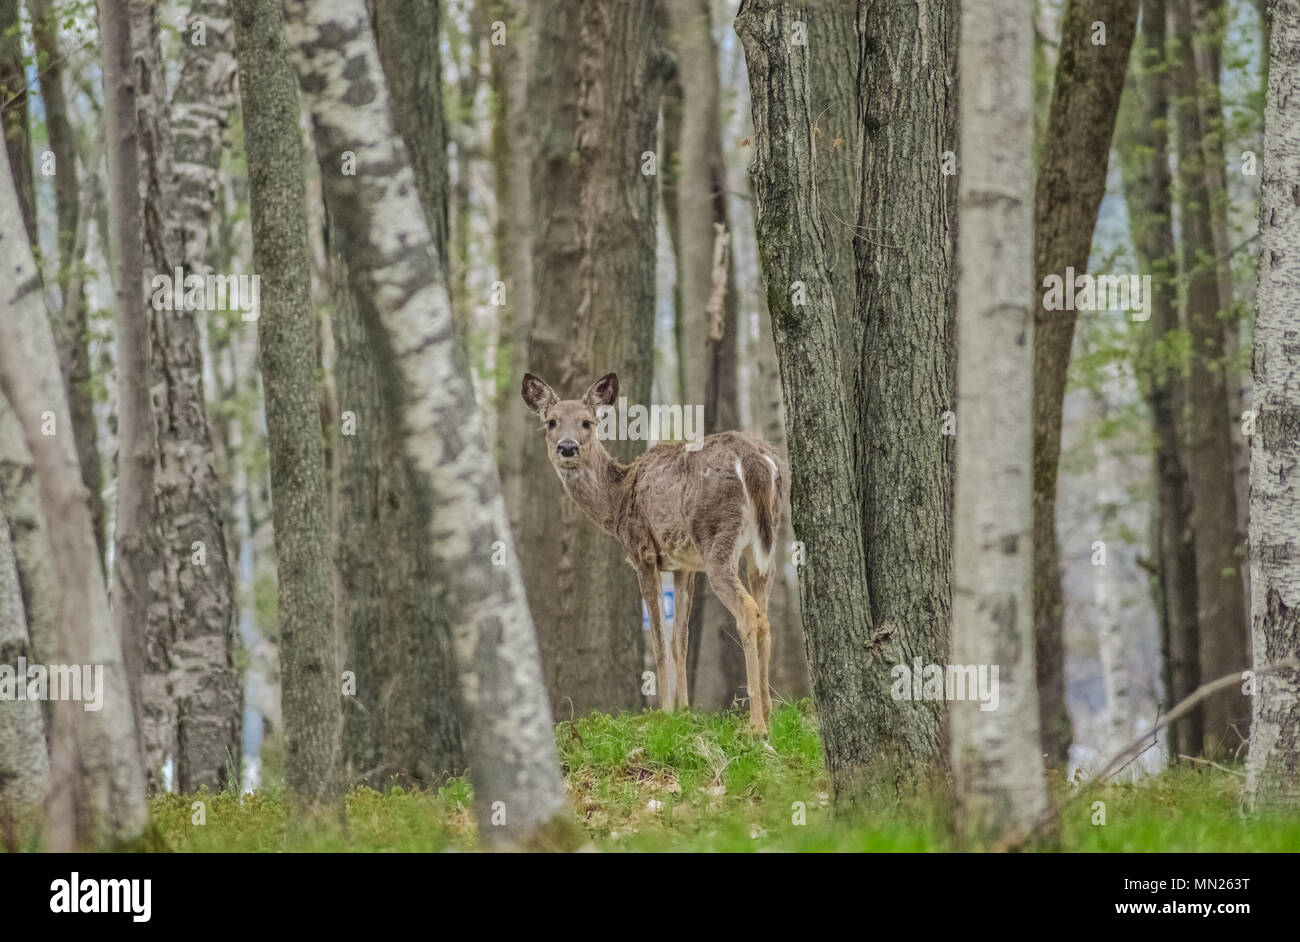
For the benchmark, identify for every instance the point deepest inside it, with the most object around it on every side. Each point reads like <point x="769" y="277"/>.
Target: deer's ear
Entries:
<point x="537" y="395"/>
<point x="603" y="392"/>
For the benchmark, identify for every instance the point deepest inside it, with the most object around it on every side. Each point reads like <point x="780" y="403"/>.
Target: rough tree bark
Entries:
<point x="1221" y="625"/>
<point x="594" y="313"/>
<point x="402" y="298"/>
<point x="268" y="90"/>
<point x="71" y="325"/>
<point x="1272" y="782"/>
<point x="792" y="240"/>
<point x="835" y="83"/>
<point x="193" y="696"/>
<point x="1071" y="182"/>
<point x="903" y="369"/>
<point x="995" y="754"/>
<point x="96" y="780"/>
<point x="1144" y="158"/>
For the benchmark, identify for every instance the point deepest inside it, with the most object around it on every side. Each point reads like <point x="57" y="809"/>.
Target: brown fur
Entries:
<point x="682" y="511"/>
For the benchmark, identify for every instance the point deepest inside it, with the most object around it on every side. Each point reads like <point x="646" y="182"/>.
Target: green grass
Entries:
<point x="698" y="781"/>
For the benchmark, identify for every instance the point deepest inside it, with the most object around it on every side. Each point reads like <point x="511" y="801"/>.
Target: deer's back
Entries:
<point x="686" y="500"/>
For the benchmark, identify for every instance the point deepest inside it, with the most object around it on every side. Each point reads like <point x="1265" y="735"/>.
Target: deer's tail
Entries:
<point x="764" y="479"/>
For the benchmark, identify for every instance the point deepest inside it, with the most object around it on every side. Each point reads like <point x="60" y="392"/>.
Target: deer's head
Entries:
<point x="570" y="424"/>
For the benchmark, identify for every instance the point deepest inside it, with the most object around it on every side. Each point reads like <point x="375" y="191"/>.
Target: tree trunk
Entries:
<point x="402" y="298"/>
<point x="71" y="325"/>
<point x="512" y="167"/>
<point x="193" y="698"/>
<point x="24" y="762"/>
<point x="792" y="240"/>
<point x="1144" y="157"/>
<point x="14" y="121"/>
<point x="594" y="294"/>
<point x="1222" y="631"/>
<point x="903" y="358"/>
<point x="135" y="542"/>
<point x="1209" y="26"/>
<point x="97" y="783"/>
<point x="299" y="490"/>
<point x="1071" y="182"/>
<point x="406" y="32"/>
<point x="836" y="85"/>
<point x="404" y="722"/>
<point x="996" y="755"/>
<point x="1271" y="780"/>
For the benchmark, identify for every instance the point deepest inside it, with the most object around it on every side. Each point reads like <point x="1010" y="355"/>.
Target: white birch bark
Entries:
<point x="1272" y="776"/>
<point x="997" y="760"/>
<point x="403" y="302"/>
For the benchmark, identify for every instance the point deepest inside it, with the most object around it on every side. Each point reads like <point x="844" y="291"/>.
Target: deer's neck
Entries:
<point x="596" y="487"/>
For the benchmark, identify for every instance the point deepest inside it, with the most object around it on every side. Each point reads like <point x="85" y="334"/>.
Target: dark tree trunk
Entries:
<point x="903" y="360"/>
<point x="1144" y="156"/>
<point x="299" y="486"/>
<point x="1222" y="632"/>
<point x="792" y="248"/>
<point x="594" y="295"/>
<point x="1071" y="182"/>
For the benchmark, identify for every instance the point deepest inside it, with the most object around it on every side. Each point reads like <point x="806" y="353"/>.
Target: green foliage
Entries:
<point x="699" y="781"/>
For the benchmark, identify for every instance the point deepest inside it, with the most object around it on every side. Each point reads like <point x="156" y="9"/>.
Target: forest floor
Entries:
<point x="699" y="781"/>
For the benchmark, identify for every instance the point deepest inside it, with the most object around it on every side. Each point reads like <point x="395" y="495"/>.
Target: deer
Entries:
<point x="706" y="507"/>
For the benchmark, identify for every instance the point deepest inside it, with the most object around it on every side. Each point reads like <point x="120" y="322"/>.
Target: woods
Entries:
<point x="905" y="457"/>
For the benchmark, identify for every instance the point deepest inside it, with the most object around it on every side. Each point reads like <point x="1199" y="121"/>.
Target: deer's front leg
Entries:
<point x="683" y="592"/>
<point x="665" y="676"/>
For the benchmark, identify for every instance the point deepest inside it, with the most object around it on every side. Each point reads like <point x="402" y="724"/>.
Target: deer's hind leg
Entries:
<point x="683" y="595"/>
<point x="760" y="587"/>
<point x="665" y="676"/>
<point x="724" y="579"/>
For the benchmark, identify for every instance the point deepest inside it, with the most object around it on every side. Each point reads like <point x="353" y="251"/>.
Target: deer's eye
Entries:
<point x="586" y="424"/>
<point x="550" y="424"/>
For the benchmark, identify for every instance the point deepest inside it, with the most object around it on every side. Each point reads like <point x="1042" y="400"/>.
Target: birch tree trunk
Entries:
<point x="96" y="780"/>
<point x="801" y="302"/>
<point x="268" y="91"/>
<point x="193" y="698"/>
<point x="402" y="297"/>
<point x="404" y="722"/>
<point x="996" y="755"/>
<point x="1271" y="780"/>
<point x="1071" y="182"/>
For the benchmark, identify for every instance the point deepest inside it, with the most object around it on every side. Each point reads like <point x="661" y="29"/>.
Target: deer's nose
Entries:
<point x="567" y="448"/>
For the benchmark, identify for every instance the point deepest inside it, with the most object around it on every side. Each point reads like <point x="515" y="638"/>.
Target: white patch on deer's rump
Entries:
<point x="772" y="464"/>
